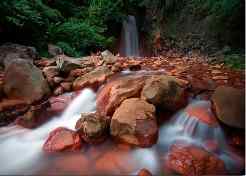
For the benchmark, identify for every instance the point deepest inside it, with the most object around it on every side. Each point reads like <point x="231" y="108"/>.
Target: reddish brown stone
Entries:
<point x="62" y="139"/>
<point x="92" y="127"/>
<point x="59" y="103"/>
<point x="165" y="92"/>
<point x="93" y="79"/>
<point x="203" y="113"/>
<point x="67" y="86"/>
<point x="115" y="92"/>
<point x="190" y="160"/>
<point x="35" y="116"/>
<point x="144" y="172"/>
<point x="134" y="122"/>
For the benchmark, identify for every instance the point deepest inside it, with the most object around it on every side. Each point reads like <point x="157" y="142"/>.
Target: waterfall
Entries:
<point x="129" y="40"/>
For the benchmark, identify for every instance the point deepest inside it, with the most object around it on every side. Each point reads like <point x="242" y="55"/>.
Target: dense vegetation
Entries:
<point x="80" y="27"/>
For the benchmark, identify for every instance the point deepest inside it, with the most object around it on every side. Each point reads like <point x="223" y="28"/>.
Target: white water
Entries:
<point x="21" y="148"/>
<point x="129" y="42"/>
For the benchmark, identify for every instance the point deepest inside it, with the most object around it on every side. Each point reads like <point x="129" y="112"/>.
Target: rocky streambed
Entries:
<point x="105" y="114"/>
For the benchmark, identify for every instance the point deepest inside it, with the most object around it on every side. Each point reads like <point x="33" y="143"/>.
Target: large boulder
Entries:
<point x="115" y="92"/>
<point x="24" y="81"/>
<point x="134" y="122"/>
<point x="229" y="106"/>
<point x="93" y="79"/>
<point x="190" y="160"/>
<point x="10" y="52"/>
<point x="62" y="139"/>
<point x="92" y="127"/>
<point x="164" y="92"/>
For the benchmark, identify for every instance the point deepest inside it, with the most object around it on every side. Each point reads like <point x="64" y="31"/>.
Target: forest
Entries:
<point x="122" y="87"/>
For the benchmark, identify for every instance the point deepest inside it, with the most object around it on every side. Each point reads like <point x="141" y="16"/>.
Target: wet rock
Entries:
<point x="57" y="79"/>
<point x="164" y="92"/>
<point x="190" y="160"/>
<point x="59" y="103"/>
<point x="144" y="172"/>
<point x="35" y="116"/>
<point x="10" y="52"/>
<point x="62" y="139"/>
<point x="24" y="81"/>
<point x="92" y="128"/>
<point x="67" y="86"/>
<point x="51" y="71"/>
<point x="134" y="123"/>
<point x="54" y="50"/>
<point x="93" y="79"/>
<point x="58" y="91"/>
<point x="229" y="106"/>
<point x="201" y="110"/>
<point x="115" y="92"/>
<point x="44" y="62"/>
<point x="66" y="64"/>
<point x="11" y="109"/>
<point x="77" y="72"/>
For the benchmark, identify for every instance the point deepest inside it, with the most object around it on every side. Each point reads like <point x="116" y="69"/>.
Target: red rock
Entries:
<point x="57" y="79"/>
<point x="58" y="91"/>
<point x="59" y="103"/>
<point x="212" y="145"/>
<point x="51" y="71"/>
<point x="77" y="72"/>
<point x="45" y="62"/>
<point x="134" y="122"/>
<point x="115" y="92"/>
<point x="229" y="106"/>
<point x="11" y="109"/>
<point x="93" y="79"/>
<point x="164" y="92"/>
<point x="67" y="86"/>
<point x="190" y="160"/>
<point x="144" y="172"/>
<point x="202" y="112"/>
<point x="23" y="80"/>
<point x="35" y="116"/>
<point x="62" y="139"/>
<point x="92" y="127"/>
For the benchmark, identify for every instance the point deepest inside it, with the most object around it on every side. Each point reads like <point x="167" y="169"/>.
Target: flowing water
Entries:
<point x="21" y="149"/>
<point x="129" y="40"/>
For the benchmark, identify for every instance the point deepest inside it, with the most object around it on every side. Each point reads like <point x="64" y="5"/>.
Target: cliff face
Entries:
<point x="191" y="26"/>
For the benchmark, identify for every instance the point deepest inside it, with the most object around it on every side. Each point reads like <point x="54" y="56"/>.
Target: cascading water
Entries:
<point x="129" y="39"/>
<point x="21" y="149"/>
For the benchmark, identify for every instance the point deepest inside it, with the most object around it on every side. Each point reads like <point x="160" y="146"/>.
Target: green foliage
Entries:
<point x="77" y="27"/>
<point x="235" y="61"/>
<point x="78" y="35"/>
